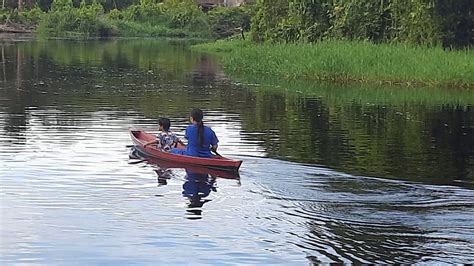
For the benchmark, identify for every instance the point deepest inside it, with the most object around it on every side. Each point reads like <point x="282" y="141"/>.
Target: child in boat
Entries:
<point x="201" y="139"/>
<point x="165" y="139"/>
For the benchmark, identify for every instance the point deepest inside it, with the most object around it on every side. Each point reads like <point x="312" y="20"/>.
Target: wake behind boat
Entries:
<point x="140" y="137"/>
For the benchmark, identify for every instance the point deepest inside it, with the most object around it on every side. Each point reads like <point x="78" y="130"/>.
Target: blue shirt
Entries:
<point x="194" y="148"/>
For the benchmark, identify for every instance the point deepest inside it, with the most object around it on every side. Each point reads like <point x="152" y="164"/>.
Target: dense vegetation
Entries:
<point x="176" y="18"/>
<point x="430" y="22"/>
<point x="344" y="61"/>
<point x="311" y="39"/>
<point x="387" y="41"/>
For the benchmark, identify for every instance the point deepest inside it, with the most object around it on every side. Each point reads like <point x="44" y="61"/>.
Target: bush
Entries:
<point x="185" y="14"/>
<point x="427" y="22"/>
<point x="226" y="21"/>
<point x="169" y="18"/>
<point x="30" y="17"/>
<point x="64" y="19"/>
<point x="145" y="12"/>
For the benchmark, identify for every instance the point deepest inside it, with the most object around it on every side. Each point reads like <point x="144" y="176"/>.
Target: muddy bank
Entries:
<point x="16" y="28"/>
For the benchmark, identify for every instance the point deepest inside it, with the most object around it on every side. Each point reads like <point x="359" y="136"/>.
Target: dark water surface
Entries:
<point x="330" y="173"/>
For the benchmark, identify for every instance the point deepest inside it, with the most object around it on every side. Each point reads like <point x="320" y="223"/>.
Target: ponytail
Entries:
<point x="197" y="116"/>
<point x="201" y="133"/>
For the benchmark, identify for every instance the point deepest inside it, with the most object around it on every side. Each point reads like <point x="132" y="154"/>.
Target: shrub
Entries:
<point x="28" y="17"/>
<point x="185" y="14"/>
<point x="64" y="19"/>
<point x="226" y="21"/>
<point x="32" y="16"/>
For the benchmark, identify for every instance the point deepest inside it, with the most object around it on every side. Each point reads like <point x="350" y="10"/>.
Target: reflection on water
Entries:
<point x="69" y="193"/>
<point x="198" y="184"/>
<point x="196" y="188"/>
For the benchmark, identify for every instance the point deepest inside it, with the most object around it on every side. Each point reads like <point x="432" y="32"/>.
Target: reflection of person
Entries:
<point x="165" y="139"/>
<point x="197" y="187"/>
<point x="163" y="175"/>
<point x="201" y="139"/>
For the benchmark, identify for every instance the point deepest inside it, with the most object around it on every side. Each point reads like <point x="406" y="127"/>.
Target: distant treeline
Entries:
<point x="147" y="18"/>
<point x="430" y="22"/>
<point x="46" y="5"/>
<point x="448" y="23"/>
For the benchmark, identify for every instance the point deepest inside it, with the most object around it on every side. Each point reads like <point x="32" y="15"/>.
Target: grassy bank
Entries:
<point x="343" y="61"/>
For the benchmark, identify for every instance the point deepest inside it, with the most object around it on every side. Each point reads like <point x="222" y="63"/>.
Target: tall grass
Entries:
<point x="139" y="29"/>
<point x="348" y="61"/>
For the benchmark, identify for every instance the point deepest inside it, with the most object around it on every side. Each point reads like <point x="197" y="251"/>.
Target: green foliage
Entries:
<point x="61" y="5"/>
<point x="29" y="17"/>
<point x="145" y="12"/>
<point x="269" y="15"/>
<point x="343" y="61"/>
<point x="132" y="28"/>
<point x="115" y="14"/>
<point x="64" y="19"/>
<point x="185" y="14"/>
<point x="415" y="22"/>
<point x="32" y="16"/>
<point x="456" y="22"/>
<point x="169" y="18"/>
<point x="428" y="22"/>
<point x="226" y="21"/>
<point x="357" y="20"/>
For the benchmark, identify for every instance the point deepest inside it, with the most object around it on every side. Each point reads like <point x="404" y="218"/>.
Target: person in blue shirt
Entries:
<point x="201" y="139"/>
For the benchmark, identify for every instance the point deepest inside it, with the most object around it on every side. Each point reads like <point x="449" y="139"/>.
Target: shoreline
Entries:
<point x="17" y="28"/>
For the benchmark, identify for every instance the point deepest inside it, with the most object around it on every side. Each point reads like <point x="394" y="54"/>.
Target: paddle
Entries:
<point x="215" y="152"/>
<point x="137" y="162"/>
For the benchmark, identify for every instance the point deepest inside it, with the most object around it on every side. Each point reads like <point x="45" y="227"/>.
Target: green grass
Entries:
<point x="344" y="61"/>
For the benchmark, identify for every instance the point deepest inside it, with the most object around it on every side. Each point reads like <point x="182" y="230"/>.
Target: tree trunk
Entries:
<point x="20" y="5"/>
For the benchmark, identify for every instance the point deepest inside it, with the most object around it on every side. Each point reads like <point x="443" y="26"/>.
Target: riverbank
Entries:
<point x="183" y="19"/>
<point x="347" y="62"/>
<point x="17" y="28"/>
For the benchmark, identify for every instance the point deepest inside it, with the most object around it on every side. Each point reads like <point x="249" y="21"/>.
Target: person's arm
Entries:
<point x="177" y="141"/>
<point x="151" y="142"/>
<point x="214" y="142"/>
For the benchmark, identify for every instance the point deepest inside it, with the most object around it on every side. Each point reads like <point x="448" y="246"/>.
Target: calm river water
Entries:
<point x="330" y="173"/>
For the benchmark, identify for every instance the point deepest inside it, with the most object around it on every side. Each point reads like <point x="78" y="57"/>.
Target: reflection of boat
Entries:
<point x="140" y="137"/>
<point x="196" y="169"/>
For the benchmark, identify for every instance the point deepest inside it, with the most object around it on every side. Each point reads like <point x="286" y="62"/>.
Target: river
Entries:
<point x="331" y="173"/>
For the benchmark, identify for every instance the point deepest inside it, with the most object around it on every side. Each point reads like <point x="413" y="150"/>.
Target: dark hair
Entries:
<point x="165" y="122"/>
<point x="197" y="116"/>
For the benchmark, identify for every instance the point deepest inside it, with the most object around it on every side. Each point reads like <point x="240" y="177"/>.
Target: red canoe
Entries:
<point x="140" y="137"/>
<point x="227" y="174"/>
